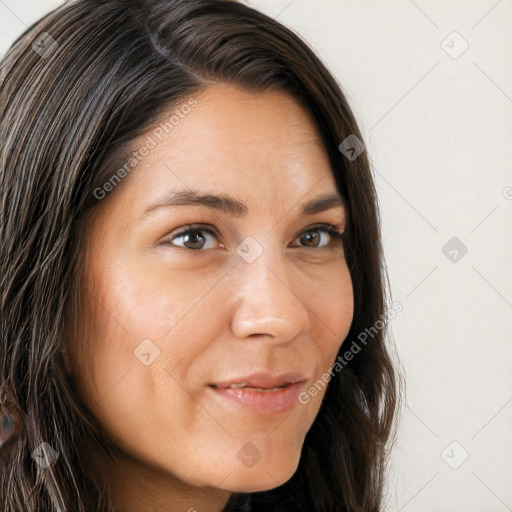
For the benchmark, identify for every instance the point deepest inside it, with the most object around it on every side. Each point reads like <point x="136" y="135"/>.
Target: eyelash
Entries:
<point x="338" y="237"/>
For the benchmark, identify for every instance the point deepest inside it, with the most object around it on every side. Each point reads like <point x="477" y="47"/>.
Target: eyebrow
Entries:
<point x="234" y="207"/>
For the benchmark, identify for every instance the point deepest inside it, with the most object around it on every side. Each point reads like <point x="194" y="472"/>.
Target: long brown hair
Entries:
<point x="78" y="86"/>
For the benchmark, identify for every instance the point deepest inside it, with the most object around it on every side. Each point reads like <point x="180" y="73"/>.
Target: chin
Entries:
<point x="261" y="477"/>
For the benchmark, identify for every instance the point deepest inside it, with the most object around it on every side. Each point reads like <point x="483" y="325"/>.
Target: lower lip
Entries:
<point x="263" y="402"/>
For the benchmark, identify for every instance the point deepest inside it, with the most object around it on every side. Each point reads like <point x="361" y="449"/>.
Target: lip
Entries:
<point x="259" y="394"/>
<point x="263" y="380"/>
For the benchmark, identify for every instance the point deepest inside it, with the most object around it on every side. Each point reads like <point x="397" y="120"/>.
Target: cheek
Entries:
<point x="143" y="341"/>
<point x="333" y="307"/>
<point x="149" y="326"/>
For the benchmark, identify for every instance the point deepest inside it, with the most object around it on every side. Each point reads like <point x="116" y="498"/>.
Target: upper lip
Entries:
<point x="263" y="380"/>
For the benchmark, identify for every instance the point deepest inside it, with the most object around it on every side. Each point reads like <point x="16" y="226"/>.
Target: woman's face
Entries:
<point x="191" y="296"/>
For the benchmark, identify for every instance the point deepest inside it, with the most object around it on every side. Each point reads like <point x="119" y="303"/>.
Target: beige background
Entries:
<point x="437" y="121"/>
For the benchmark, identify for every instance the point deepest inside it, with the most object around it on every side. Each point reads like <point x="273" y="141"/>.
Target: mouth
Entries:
<point x="245" y="385"/>
<point x="262" y="393"/>
<point x="262" y="382"/>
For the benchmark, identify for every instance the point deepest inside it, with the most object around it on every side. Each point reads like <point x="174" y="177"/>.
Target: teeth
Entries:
<point x="241" y="385"/>
<point x="260" y="389"/>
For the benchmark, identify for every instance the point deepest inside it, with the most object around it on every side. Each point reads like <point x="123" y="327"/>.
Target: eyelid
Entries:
<point x="338" y="235"/>
<point x="184" y="230"/>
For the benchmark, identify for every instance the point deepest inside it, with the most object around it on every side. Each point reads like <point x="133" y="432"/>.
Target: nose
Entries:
<point x="267" y="302"/>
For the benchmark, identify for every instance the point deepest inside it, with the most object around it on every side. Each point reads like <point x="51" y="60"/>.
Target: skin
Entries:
<point x="212" y="315"/>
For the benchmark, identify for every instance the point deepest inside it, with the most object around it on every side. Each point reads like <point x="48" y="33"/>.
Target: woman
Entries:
<point x="190" y="252"/>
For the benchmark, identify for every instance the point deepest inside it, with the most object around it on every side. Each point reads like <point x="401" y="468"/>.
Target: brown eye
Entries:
<point x="312" y="237"/>
<point x="193" y="239"/>
<point x="196" y="238"/>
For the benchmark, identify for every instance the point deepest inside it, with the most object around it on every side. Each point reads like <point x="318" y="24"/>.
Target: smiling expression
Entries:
<point x="213" y="269"/>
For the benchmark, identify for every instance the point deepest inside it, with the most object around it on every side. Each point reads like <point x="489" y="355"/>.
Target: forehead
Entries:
<point x="232" y="131"/>
<point x="260" y="147"/>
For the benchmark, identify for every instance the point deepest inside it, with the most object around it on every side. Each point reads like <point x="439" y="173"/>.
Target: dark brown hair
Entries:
<point x="76" y="88"/>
